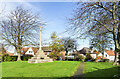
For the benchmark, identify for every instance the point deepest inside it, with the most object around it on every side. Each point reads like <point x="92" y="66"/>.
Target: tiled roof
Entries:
<point x="110" y="52"/>
<point x="97" y="53"/>
<point x="4" y="51"/>
<point x="35" y="49"/>
<point x="85" y="50"/>
<point x="10" y="54"/>
<point x="24" y="50"/>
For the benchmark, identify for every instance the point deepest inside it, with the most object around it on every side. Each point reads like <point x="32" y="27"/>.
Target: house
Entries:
<point x="5" y="52"/>
<point x="33" y="50"/>
<point x="109" y="54"/>
<point x="84" y="51"/>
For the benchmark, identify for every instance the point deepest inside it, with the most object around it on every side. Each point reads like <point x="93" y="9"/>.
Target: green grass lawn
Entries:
<point x="100" y="69"/>
<point x="51" y="69"/>
<point x="0" y="70"/>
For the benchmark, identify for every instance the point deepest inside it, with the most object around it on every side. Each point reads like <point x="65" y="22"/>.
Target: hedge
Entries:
<point x="14" y="58"/>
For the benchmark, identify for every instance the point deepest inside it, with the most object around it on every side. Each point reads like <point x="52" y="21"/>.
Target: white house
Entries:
<point x="85" y="51"/>
<point x="109" y="54"/>
<point x="33" y="50"/>
<point x="30" y="52"/>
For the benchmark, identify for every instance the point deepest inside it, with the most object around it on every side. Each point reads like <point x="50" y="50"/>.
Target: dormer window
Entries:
<point x="21" y="50"/>
<point x="30" y="51"/>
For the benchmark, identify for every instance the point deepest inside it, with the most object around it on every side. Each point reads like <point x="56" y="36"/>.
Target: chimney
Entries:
<point x="111" y="48"/>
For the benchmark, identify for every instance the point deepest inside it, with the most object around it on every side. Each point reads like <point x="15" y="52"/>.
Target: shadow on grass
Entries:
<point x="108" y="73"/>
<point x="98" y="74"/>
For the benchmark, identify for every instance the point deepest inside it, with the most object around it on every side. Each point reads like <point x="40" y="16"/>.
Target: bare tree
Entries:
<point x="91" y="16"/>
<point x="20" y="29"/>
<point x="69" y="44"/>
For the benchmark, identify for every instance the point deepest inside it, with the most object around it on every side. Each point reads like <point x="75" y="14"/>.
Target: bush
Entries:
<point x="55" y="55"/>
<point x="6" y="58"/>
<point x="79" y="57"/>
<point x="93" y="60"/>
<point x="88" y="56"/>
<point x="25" y="58"/>
<point x="105" y="60"/>
<point x="9" y="58"/>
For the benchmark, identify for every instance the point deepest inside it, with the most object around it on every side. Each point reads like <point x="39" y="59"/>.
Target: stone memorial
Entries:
<point x="40" y="56"/>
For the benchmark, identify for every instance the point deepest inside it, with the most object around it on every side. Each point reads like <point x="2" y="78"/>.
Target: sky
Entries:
<point x="55" y="15"/>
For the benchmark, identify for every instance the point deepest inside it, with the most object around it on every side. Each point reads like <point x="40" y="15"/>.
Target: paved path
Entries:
<point x="79" y="73"/>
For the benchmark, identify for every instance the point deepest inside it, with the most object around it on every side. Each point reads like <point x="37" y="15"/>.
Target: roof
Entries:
<point x="4" y="51"/>
<point x="85" y="50"/>
<point x="35" y="49"/>
<point x="9" y="53"/>
<point x="110" y="52"/>
<point x="24" y="50"/>
<point x="97" y="53"/>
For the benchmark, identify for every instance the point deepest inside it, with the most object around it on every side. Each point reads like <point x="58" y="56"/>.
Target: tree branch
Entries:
<point x="104" y="25"/>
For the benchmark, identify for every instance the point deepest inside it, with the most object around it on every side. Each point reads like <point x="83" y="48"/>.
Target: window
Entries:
<point x="21" y="50"/>
<point x="30" y="51"/>
<point x="106" y="55"/>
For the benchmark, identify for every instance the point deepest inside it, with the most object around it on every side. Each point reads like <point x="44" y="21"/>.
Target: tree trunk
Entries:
<point x="67" y="55"/>
<point x="115" y="37"/>
<point x="116" y="53"/>
<point x="19" y="57"/>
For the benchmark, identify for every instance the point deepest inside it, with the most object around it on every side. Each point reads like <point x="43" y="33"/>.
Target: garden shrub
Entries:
<point x="88" y="56"/>
<point x="105" y="60"/>
<point x="9" y="58"/>
<point x="25" y="58"/>
<point x="79" y="57"/>
<point x="6" y="58"/>
<point x="14" y="58"/>
<point x="55" y="55"/>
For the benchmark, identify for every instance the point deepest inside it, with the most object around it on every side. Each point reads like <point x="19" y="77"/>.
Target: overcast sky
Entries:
<point x="54" y="13"/>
